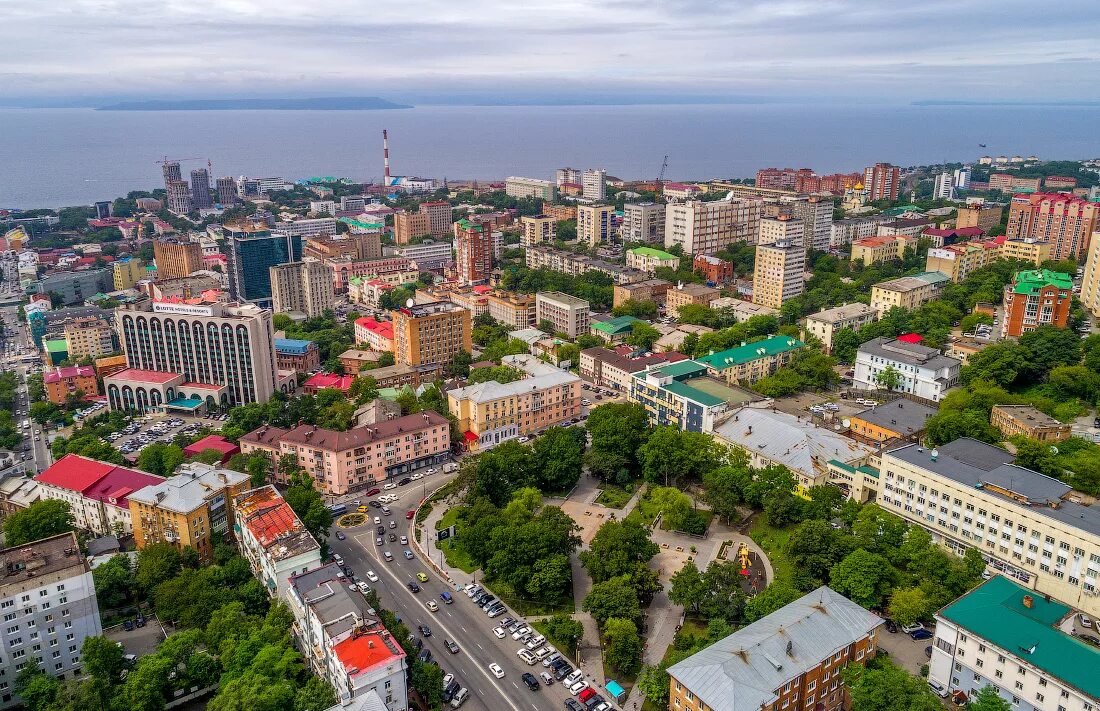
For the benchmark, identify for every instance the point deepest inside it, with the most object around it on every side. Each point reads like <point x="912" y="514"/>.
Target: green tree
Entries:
<point x="317" y="695"/>
<point x="113" y="581"/>
<point x="987" y="699"/>
<point x="460" y="364"/>
<point x="675" y="506"/>
<point x="564" y="632"/>
<point x="36" y="688"/>
<point x="209" y="456"/>
<point x="688" y="588"/>
<point x="306" y="502"/>
<point x="672" y="453"/>
<point x="502" y="470"/>
<point x="724" y="487"/>
<point x="427" y="679"/>
<point x="617" y="548"/>
<point x="884" y="686"/>
<point x="645" y="310"/>
<point x="909" y="605"/>
<point x="623" y="650"/>
<point x="642" y="335"/>
<point x="160" y="459"/>
<point x="862" y="576"/>
<point x="41" y="519"/>
<point x="102" y="658"/>
<point x="769" y="600"/>
<point x="889" y="378"/>
<point x="618" y="431"/>
<point x="157" y="563"/>
<point x="612" y="598"/>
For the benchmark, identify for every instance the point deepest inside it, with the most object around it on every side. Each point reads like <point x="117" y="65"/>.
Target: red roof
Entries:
<point x="470" y="436"/>
<point x="93" y="479"/>
<point x="382" y="328"/>
<point x="137" y="375"/>
<point x="71" y="371"/>
<point x="227" y="448"/>
<point x="682" y="187"/>
<point x="911" y="338"/>
<point x="482" y="289"/>
<point x="329" y="380"/>
<point x="361" y="653"/>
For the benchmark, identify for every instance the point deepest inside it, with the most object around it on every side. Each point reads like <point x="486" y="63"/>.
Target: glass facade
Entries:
<point x="251" y="256"/>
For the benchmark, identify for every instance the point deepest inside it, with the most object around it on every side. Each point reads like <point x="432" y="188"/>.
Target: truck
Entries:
<point x="449" y="467"/>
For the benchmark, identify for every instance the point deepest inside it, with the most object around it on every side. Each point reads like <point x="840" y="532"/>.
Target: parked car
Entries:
<point x="912" y="627"/>
<point x="530" y="680"/>
<point x="921" y="634"/>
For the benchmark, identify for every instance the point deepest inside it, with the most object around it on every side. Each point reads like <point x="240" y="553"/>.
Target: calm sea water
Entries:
<point x="56" y="157"/>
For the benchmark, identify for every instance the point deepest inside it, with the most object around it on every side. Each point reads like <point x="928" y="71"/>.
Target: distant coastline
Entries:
<point x="1041" y="104"/>
<point x="336" y="103"/>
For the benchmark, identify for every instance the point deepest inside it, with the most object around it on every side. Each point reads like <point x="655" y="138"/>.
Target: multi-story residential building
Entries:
<point x="792" y="658"/>
<point x="881" y="248"/>
<point x="1003" y="635"/>
<point x="302" y="287"/>
<point x="322" y="207"/>
<point x="1030" y="422"/>
<point x="1036" y="298"/>
<point x="50" y="584"/>
<point x="559" y="260"/>
<point x="1026" y="250"/>
<point x="568" y="314"/>
<point x="171" y="171"/>
<point x="439" y="217"/>
<point x="985" y="217"/>
<point x="408" y="226"/>
<point x="594" y="184"/>
<point x="1090" y="282"/>
<point x="95" y="491"/>
<point x="179" y="197"/>
<point x="825" y="323"/>
<point x="343" y="642"/>
<point x="706" y="227"/>
<point x="1065" y="221"/>
<point x="69" y="381"/>
<point x="530" y="187"/>
<point x="537" y="229"/>
<point x="200" y="189"/>
<point x="251" y="249"/>
<point x="714" y="269"/>
<point x="921" y="371"/>
<point x="428" y="255"/>
<point x="1053" y="543"/>
<point x="567" y="175"/>
<point x="882" y="181"/>
<point x="781" y="178"/>
<point x="649" y="260"/>
<point x="943" y="186"/>
<point x="473" y="251"/>
<point x="394" y="271"/>
<point x="307" y="226"/>
<point x="957" y="261"/>
<point x="560" y="212"/>
<point x="655" y="290"/>
<point x="900" y="419"/>
<point x="511" y="309"/>
<point x="490" y="413"/>
<point x="595" y="224"/>
<point x="780" y="228"/>
<point x="273" y="539"/>
<point x="89" y="337"/>
<point x="846" y="231"/>
<point x="643" y="222"/>
<point x="227" y="191"/>
<point x="298" y="355"/>
<point x="683" y="395"/>
<point x="685" y="294"/>
<point x="680" y="191"/>
<point x="358" y="459"/>
<point x="907" y="292"/>
<point x="225" y="351"/>
<point x="748" y="363"/>
<point x="126" y="272"/>
<point x="76" y="287"/>
<point x="816" y="215"/>
<point x="1007" y="182"/>
<point x="176" y="258"/>
<point x="375" y="334"/>
<point x="431" y="333"/>
<point x="779" y="273"/>
<point x="191" y="508"/>
<point x="613" y="369"/>
<point x="110" y="365"/>
<point x="356" y="245"/>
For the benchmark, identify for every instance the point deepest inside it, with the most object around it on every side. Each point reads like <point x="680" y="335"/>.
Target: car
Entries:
<point x="424" y="630"/>
<point x="1086" y="621"/>
<point x="891" y="626"/>
<point x="499" y="632"/>
<point x="425" y="655"/>
<point x="371" y="576"/>
<point x="530" y="680"/>
<point x="417" y="476"/>
<point x="524" y="440"/>
<point x="525" y="655"/>
<point x="374" y="504"/>
<point x="378" y="541"/>
<point x="404" y="481"/>
<point x="408" y="554"/>
<point x="447" y="679"/>
<point x="430" y="471"/>
<point x="496" y="611"/>
<point x="128" y="625"/>
<point x="393" y="538"/>
<point x="938" y="689"/>
<point x="409" y="515"/>
<point x="385" y="510"/>
<point x="450" y="689"/>
<point x="377" y="520"/>
<point x="507" y="621"/>
<point x="585" y="695"/>
<point x="388" y="556"/>
<point x="380" y="530"/>
<point x="496" y="670"/>
<point x="578" y="686"/>
<point x="404" y="540"/>
<point x="336" y="557"/>
<point x="563" y="671"/>
<point x="389" y="486"/>
<point x="446" y="597"/>
<point x="551" y="659"/>
<point x="413" y="586"/>
<point x="393" y="524"/>
<point x="572" y="705"/>
<point x="912" y="627"/>
<point x="471" y="590"/>
<point x="921" y="634"/>
<point x="373" y="492"/>
<point x="422" y="577"/>
<point x="451" y="646"/>
<point x="520" y="631"/>
<point x="535" y="642"/>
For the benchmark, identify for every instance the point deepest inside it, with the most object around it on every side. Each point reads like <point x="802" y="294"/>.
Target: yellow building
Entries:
<point x="883" y="248"/>
<point x="128" y="272"/>
<point x="978" y="216"/>
<point x="1090" y="283"/>
<point x="431" y="333"/>
<point x="779" y="273"/>
<point x="956" y="261"/>
<point x="538" y="229"/>
<point x="595" y="223"/>
<point x="88" y="337"/>
<point x="907" y="292"/>
<point x="515" y="310"/>
<point x="1028" y="250"/>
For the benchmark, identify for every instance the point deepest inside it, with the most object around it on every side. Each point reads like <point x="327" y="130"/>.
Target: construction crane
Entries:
<point x="179" y="160"/>
<point x="661" y="173"/>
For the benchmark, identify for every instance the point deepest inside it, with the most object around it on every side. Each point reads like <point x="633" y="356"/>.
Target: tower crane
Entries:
<point x="661" y="173"/>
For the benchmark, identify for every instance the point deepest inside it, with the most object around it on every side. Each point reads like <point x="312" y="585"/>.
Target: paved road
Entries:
<point x="461" y="621"/>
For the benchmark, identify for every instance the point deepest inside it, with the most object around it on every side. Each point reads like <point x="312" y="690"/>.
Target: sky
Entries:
<point x="830" y="49"/>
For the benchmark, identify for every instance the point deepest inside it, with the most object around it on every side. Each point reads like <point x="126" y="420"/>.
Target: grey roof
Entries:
<point x="325" y="591"/>
<point x="905" y="417"/>
<point x="910" y="353"/>
<point x="365" y="701"/>
<point x="103" y="544"/>
<point x="195" y="483"/>
<point x="743" y="671"/>
<point x="842" y="313"/>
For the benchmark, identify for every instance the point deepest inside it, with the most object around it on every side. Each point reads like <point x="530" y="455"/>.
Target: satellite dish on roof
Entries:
<point x="409" y="303"/>
<point x="846" y="422"/>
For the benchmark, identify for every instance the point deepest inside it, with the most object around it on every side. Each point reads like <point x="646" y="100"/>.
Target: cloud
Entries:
<point x="825" y="48"/>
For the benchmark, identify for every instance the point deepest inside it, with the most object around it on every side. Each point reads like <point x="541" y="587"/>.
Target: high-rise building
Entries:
<point x="882" y="181"/>
<point x="408" y="226"/>
<point x="567" y="175"/>
<point x="1090" y="282"/>
<point x="1036" y="298"/>
<point x="200" y="189"/>
<point x="943" y="188"/>
<point x="176" y="258"/>
<point x="781" y="228"/>
<point x="179" y="197"/>
<point x="103" y="209"/>
<point x="643" y="222"/>
<point x="538" y="229"/>
<point x="126" y="272"/>
<point x="227" y="191"/>
<point x="568" y="314"/>
<point x="305" y="287"/>
<point x="961" y="178"/>
<point x="530" y="187"/>
<point x="429" y="334"/>
<point x="779" y="273"/>
<point x="473" y="251"/>
<point x="439" y="217"/>
<point x="171" y="172"/>
<point x="816" y="214"/>
<point x="785" y="179"/>
<point x="1066" y="222"/>
<point x="594" y="184"/>
<point x="251" y="249"/>
<point x="706" y="227"/>
<point x="595" y="223"/>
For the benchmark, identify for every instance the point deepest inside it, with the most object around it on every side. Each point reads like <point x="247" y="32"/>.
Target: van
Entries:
<point x="460" y="697"/>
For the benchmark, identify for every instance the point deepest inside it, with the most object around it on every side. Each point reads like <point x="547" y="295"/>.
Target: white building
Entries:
<point x="705" y="227"/>
<point x="961" y="178"/>
<point x="923" y="371"/>
<point x="273" y="539"/>
<point x="943" y="188"/>
<point x="428" y="255"/>
<point x="322" y="207"/>
<point x="518" y="187"/>
<point x="643" y="222"/>
<point x="594" y="184"/>
<point x="308" y="226"/>
<point x="95" y="491"/>
<point x="847" y="231"/>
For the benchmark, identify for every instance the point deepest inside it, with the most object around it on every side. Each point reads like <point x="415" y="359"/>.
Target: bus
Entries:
<point x="338" y="509"/>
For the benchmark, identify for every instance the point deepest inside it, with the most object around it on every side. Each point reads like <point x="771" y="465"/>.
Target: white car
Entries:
<point x="418" y="475"/>
<point x="578" y="686"/>
<point x="520" y="632"/>
<point x="911" y="628"/>
<point x="496" y="670"/>
<point x="524" y="440"/>
<point x="499" y="632"/>
<point x="430" y="471"/>
<point x="371" y="576"/>
<point x="389" y="486"/>
<point x="363" y="587"/>
<point x="432" y="606"/>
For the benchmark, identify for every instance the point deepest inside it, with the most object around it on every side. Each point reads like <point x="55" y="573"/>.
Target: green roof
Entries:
<point x="1032" y="281"/>
<point x="616" y="326"/>
<point x="750" y="352"/>
<point x="869" y="471"/>
<point x="57" y="346"/>
<point x="686" y="391"/>
<point x="467" y="225"/>
<point x="681" y="369"/>
<point x="995" y="611"/>
<point x="651" y="252"/>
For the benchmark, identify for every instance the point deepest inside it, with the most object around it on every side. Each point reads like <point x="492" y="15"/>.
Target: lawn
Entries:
<point x="568" y="647"/>
<point x="456" y="557"/>
<point x="773" y="541"/>
<point x="616" y="497"/>
<point x="530" y="608"/>
<point x="449" y="519"/>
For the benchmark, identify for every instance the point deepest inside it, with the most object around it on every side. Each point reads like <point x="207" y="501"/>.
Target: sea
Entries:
<point x="60" y="157"/>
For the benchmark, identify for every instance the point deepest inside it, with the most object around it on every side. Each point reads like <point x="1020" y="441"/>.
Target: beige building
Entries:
<point x="957" y="261"/>
<point x="824" y="324"/>
<point x="560" y="260"/>
<point x="741" y="310"/>
<point x="643" y="222"/>
<point x="176" y="258"/>
<point x="425" y="334"/>
<point x="538" y="229"/>
<point x="530" y="187"/>
<point x="649" y="260"/>
<point x="706" y="227"/>
<point x="1028" y="250"/>
<point x="779" y="273"/>
<point x="408" y="226"/>
<point x="1025" y="420"/>
<point x="779" y="228"/>
<point x="654" y="290"/>
<point x="906" y="292"/>
<point x="1090" y="283"/>
<point x="127" y="272"/>
<point x="568" y="314"/>
<point x="595" y="223"/>
<point x="89" y="337"/>
<point x="515" y="310"/>
<point x="304" y="287"/>
<point x="689" y="293"/>
<point x="981" y="216"/>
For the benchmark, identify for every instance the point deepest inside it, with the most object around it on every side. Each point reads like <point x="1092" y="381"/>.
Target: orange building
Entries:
<point x="1066" y="222"/>
<point x="60" y="383"/>
<point x="1036" y="298"/>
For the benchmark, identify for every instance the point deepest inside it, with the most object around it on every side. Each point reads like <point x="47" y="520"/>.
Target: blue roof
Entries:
<point x="292" y="346"/>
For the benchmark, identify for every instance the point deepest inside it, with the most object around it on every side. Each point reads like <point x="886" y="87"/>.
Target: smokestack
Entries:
<point x="386" y="154"/>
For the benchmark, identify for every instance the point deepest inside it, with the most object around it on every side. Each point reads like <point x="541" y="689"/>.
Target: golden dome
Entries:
<point x="859" y="186"/>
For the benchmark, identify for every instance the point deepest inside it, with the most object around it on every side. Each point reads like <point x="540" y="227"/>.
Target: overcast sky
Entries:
<point x="960" y="49"/>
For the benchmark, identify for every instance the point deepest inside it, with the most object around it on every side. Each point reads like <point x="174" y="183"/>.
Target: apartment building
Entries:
<point x="512" y="309"/>
<point x="1036" y="298"/>
<point x="176" y="257"/>
<point x="302" y="287"/>
<point x="307" y="226"/>
<point x="192" y="508"/>
<point x="560" y="260"/>
<point x="849" y="230"/>
<point x="408" y="226"/>
<point x="50" y="584"/>
<point x="538" y="229"/>
<point x="748" y="363"/>
<point x="439" y="217"/>
<point x="881" y="248"/>
<point x="595" y="224"/>
<point x="1033" y="529"/>
<point x="1065" y="221"/>
<point x="613" y="369"/>
<point x="594" y="184"/>
<point x="685" y="294"/>
<point x="780" y="228"/>
<point x="568" y="314"/>
<point x="643" y="222"/>
<point x="393" y="271"/>
<point x="740" y="310"/>
<point x="473" y="251"/>
<point x="706" y="227"/>
<point x="825" y="323"/>
<point x="900" y="419"/>
<point x="376" y="335"/>
<point x="793" y="658"/>
<point x="530" y="188"/>
<point x="360" y="246"/>
<point x="882" y="181"/>
<point x="95" y="491"/>
<point x="779" y="273"/>
<point x="1026" y="420"/>
<point x="649" y="260"/>
<point x="128" y="271"/>
<point x="1027" y="250"/>
<point x="922" y="371"/>
<point x="907" y="292"/>
<point x="89" y="337"/>
<point x="428" y="255"/>
<point x="1090" y="282"/>
<point x="297" y="355"/>
<point x="491" y="413"/>
<point x="957" y="261"/>
<point x="61" y="383"/>
<point x="431" y="333"/>
<point x="680" y="191"/>
<point x="273" y="539"/>
<point x="985" y="217"/>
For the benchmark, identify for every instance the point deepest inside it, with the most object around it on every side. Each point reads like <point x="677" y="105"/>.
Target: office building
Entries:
<point x="655" y="290"/>
<point x="513" y="310"/>
<point x="302" y="287"/>
<point x="1066" y="222"/>
<point x="921" y="371"/>
<point x="89" y="337"/>
<point x="614" y="330"/>
<point x="227" y="191"/>
<point x="685" y="294"/>
<point x="849" y="230"/>
<point x="360" y="458"/>
<point x="50" y="584"/>
<point x="63" y="383"/>
<point x="1090" y="282"/>
<point x="76" y="287"/>
<point x="680" y="191"/>
<point x="1026" y="420"/>
<point x="473" y="252"/>
<point x="1036" y="298"/>
<point x="393" y="271"/>
<point x="251" y="249"/>
<point x="882" y="181"/>
<point x="900" y="419"/>
<point x="538" y="229"/>
<point x="984" y="216"/>
<point x="706" y="227"/>
<point x="793" y="658"/>
<point x="200" y="189"/>
<point x="594" y="184"/>
<point x="179" y="197"/>
<point x="595" y="224"/>
<point x="744" y="365"/>
<point x="568" y="314"/>
<point x="171" y="171"/>
<point x="427" y="255"/>
<point x="409" y="226"/>
<point x="825" y="323"/>
<point x="643" y="222"/>
<point x="273" y="539"/>
<point x="95" y="492"/>
<point x="530" y="188"/>
<point x="714" y="269"/>
<point x="127" y="272"/>
<point x="430" y="334"/>
<point x="176" y="258"/>
<point x="649" y="259"/>
<point x="779" y="274"/>
<point x="683" y="395"/>
<point x="781" y="228"/>
<point x="613" y="369"/>
<point x="907" y="292"/>
<point x="191" y="508"/>
<point x="297" y="355"/>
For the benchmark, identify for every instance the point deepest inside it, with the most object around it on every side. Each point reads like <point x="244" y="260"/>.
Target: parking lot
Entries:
<point x="140" y="640"/>
<point x="142" y="432"/>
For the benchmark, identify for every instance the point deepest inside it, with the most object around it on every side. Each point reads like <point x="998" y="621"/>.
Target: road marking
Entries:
<point x="514" y="684"/>
<point x="465" y="630"/>
<point x="479" y="645"/>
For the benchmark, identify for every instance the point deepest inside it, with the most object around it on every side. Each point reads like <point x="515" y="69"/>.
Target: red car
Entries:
<point x="409" y="515"/>
<point x="586" y="694"/>
<point x="374" y="492"/>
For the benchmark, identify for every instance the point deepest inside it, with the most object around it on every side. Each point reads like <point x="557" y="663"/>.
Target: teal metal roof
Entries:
<point x="869" y="471"/>
<point x="751" y="351"/>
<point x="680" y="369"/>
<point x="616" y="326"/>
<point x="686" y="391"/>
